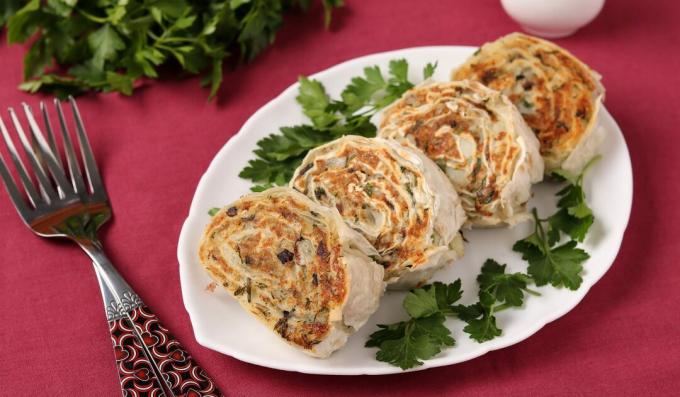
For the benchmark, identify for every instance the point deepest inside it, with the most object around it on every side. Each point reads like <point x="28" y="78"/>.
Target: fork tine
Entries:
<point x="43" y="182"/>
<point x="34" y="147"/>
<point x="48" y="155"/>
<point x="91" y="169"/>
<point x="32" y="193"/>
<point x="51" y="139"/>
<point x="71" y="159"/>
<point x="13" y="190"/>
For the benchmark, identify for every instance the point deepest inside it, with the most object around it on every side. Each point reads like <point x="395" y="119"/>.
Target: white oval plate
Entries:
<point x="220" y="324"/>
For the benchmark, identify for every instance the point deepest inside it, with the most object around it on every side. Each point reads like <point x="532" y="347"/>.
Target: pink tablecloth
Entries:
<point x="623" y="339"/>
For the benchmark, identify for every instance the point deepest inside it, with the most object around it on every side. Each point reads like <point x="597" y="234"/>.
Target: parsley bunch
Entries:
<point x="278" y="155"/>
<point x="108" y="45"/>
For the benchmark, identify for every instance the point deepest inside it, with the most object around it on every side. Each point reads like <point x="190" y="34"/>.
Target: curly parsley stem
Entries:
<point x="540" y="231"/>
<point x="531" y="291"/>
<point x="91" y="17"/>
<point x="589" y="164"/>
<point x="368" y="112"/>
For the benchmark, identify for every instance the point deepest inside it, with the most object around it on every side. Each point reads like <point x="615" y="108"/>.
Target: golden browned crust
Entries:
<point x="281" y="259"/>
<point x="557" y="94"/>
<point x="477" y="137"/>
<point x="393" y="195"/>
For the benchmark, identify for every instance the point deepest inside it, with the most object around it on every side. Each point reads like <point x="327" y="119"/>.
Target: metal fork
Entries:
<point x="66" y="205"/>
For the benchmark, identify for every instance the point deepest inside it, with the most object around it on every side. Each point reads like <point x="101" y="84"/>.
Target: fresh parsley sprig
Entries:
<point x="406" y="343"/>
<point x="279" y="154"/>
<point x="574" y="217"/>
<point x="110" y="45"/>
<point x="550" y="263"/>
<point x="497" y="291"/>
<point x="556" y="265"/>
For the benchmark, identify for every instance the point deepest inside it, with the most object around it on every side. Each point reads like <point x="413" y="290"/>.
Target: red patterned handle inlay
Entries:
<point x="182" y="375"/>
<point x="137" y="378"/>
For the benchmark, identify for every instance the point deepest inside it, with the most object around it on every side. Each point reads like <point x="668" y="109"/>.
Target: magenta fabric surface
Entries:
<point x="623" y="339"/>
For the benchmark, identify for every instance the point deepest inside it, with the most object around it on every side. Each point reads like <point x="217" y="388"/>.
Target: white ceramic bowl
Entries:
<point x="552" y="18"/>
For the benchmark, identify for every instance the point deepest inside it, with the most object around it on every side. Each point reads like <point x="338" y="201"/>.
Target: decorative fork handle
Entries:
<point x="149" y="360"/>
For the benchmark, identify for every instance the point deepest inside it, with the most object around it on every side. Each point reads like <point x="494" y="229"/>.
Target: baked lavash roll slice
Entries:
<point x="395" y="197"/>
<point x="480" y="141"/>
<point x="558" y="95"/>
<point x="296" y="266"/>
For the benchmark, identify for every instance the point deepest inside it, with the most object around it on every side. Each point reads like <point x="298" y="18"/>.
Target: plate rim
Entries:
<point x="433" y="363"/>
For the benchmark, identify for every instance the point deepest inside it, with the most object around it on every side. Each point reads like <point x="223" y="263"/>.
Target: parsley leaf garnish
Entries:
<point x="483" y="329"/>
<point x="558" y="266"/>
<point x="497" y="291"/>
<point x="429" y="70"/>
<point x="314" y="101"/>
<point x="504" y="288"/>
<point x="416" y="340"/>
<point x="279" y="154"/>
<point x="108" y="45"/>
<point x="575" y="227"/>
<point x="446" y="295"/>
<point x="406" y="343"/>
<point x="421" y="302"/>
<point x="574" y="217"/>
<point x="550" y="263"/>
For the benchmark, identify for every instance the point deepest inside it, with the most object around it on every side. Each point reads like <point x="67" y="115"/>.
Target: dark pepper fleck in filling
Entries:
<point x="562" y="125"/>
<point x="232" y="211"/>
<point x="239" y="291"/>
<point x="322" y="252"/>
<point x="285" y="256"/>
<point x="281" y="326"/>
<point x="581" y="113"/>
<point x="488" y="76"/>
<point x="415" y="127"/>
<point x="319" y="192"/>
